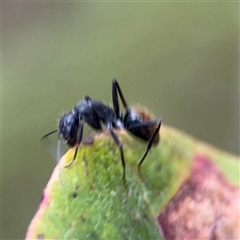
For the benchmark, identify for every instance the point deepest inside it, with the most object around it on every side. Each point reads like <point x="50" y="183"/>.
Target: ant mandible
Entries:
<point x="96" y="113"/>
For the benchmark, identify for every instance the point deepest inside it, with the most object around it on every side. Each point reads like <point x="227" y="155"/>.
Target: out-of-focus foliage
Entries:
<point x="178" y="59"/>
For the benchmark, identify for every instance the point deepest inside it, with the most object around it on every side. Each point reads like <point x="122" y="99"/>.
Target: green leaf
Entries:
<point x="93" y="202"/>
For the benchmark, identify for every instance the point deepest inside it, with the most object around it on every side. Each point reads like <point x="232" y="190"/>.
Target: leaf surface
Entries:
<point x="93" y="202"/>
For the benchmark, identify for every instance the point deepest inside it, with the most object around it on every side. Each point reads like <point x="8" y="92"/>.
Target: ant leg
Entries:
<point x="119" y="145"/>
<point x="149" y="145"/>
<point x="116" y="90"/>
<point x="79" y="139"/>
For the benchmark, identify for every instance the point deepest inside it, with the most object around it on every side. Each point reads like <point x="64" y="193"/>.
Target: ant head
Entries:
<point x="139" y="122"/>
<point x="68" y="128"/>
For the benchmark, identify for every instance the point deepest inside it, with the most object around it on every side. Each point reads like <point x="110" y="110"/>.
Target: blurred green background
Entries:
<point x="178" y="59"/>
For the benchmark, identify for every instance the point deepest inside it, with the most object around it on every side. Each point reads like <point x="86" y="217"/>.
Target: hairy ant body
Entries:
<point x="96" y="113"/>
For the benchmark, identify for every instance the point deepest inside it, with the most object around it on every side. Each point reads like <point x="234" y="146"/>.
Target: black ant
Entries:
<point x="96" y="113"/>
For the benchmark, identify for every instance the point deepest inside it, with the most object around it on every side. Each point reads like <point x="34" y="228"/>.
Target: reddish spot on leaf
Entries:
<point x="44" y="200"/>
<point x="88" y="141"/>
<point x="40" y="236"/>
<point x="205" y="207"/>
